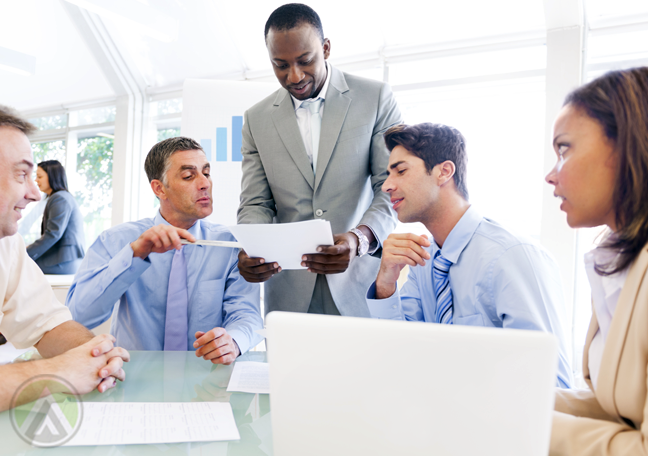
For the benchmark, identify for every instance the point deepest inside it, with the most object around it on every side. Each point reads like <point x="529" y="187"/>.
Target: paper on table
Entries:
<point x="250" y="377"/>
<point x="283" y="243"/>
<point x="133" y="423"/>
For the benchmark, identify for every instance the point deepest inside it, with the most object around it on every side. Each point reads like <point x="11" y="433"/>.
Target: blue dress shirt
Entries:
<point x="498" y="279"/>
<point x="218" y="295"/>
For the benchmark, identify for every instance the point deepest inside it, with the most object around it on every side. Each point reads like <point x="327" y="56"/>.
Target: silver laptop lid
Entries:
<point x="355" y="386"/>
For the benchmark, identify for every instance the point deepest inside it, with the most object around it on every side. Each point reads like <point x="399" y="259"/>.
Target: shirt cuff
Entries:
<point x="375" y="245"/>
<point x="244" y="341"/>
<point x="388" y="308"/>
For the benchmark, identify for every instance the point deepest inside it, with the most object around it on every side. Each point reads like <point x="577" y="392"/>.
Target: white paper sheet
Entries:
<point x="283" y="243"/>
<point x="250" y="377"/>
<point x="132" y="423"/>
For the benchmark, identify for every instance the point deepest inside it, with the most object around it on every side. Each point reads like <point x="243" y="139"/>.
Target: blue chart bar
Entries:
<point x="237" y="138"/>
<point x="206" y="145"/>
<point x="221" y="144"/>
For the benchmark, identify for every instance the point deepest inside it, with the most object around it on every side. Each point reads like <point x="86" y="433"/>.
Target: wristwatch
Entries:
<point x="363" y="242"/>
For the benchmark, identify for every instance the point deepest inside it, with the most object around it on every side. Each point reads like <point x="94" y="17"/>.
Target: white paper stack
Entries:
<point x="283" y="243"/>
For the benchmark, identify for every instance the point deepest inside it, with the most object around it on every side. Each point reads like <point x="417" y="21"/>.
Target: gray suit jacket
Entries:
<point x="63" y="239"/>
<point x="278" y="184"/>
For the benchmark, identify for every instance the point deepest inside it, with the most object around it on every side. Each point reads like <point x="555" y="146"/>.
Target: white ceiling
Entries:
<point x="224" y="39"/>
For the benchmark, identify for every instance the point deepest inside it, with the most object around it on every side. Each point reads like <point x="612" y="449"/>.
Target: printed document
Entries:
<point x="250" y="377"/>
<point x="283" y="243"/>
<point x="137" y="423"/>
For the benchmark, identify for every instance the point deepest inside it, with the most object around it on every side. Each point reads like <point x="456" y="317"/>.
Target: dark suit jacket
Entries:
<point x="63" y="239"/>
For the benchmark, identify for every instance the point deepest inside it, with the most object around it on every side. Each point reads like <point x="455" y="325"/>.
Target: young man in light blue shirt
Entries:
<point x="473" y="272"/>
<point x="171" y="296"/>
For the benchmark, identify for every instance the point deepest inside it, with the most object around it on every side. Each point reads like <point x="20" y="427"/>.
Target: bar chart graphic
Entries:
<point x="213" y="114"/>
<point x="222" y="153"/>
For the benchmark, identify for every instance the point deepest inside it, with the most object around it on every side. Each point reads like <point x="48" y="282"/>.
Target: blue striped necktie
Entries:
<point x="442" y="288"/>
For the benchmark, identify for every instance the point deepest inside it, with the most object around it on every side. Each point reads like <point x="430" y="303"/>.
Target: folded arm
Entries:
<point x="93" y="364"/>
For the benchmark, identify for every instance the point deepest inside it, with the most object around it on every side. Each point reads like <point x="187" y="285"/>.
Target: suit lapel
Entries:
<point x="615" y="342"/>
<point x="591" y="332"/>
<point x="336" y="106"/>
<point x="285" y="122"/>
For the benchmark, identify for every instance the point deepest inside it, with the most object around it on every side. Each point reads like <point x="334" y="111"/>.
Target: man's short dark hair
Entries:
<point x="292" y="15"/>
<point x="157" y="162"/>
<point x="55" y="175"/>
<point x="9" y="117"/>
<point x="434" y="144"/>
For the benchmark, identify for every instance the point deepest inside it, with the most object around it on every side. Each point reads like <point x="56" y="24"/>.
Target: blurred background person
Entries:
<point x="60" y="248"/>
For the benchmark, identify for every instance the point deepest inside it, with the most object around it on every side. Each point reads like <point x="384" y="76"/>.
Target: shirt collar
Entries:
<point x="611" y="283"/>
<point x="461" y="234"/>
<point x="297" y="103"/>
<point x="194" y="230"/>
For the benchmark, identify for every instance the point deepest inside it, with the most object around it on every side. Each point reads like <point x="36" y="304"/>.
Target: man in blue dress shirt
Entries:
<point x="473" y="272"/>
<point x="171" y="296"/>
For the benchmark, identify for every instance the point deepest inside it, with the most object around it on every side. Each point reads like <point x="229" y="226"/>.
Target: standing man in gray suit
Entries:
<point x="314" y="150"/>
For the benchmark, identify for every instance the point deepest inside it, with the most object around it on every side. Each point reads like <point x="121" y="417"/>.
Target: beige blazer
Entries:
<point x="612" y="419"/>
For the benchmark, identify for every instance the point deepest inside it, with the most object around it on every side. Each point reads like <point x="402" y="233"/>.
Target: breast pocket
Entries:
<point x="354" y="132"/>
<point x="208" y="299"/>
<point x="469" y="320"/>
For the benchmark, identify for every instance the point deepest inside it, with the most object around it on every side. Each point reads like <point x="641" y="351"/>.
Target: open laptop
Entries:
<point x="358" y="386"/>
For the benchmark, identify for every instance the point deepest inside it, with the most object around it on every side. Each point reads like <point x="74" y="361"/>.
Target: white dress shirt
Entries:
<point x="29" y="308"/>
<point x="304" y="117"/>
<point x="605" y="294"/>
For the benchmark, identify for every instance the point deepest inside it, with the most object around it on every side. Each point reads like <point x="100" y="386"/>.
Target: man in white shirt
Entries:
<point x="30" y="313"/>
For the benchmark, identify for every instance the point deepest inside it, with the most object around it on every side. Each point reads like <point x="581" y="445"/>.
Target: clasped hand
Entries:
<point x="95" y="364"/>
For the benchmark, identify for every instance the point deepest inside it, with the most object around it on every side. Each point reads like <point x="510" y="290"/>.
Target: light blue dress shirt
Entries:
<point x="218" y="295"/>
<point x="498" y="279"/>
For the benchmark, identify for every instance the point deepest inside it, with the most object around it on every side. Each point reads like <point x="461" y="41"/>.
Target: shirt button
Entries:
<point x="393" y="307"/>
<point x="319" y="212"/>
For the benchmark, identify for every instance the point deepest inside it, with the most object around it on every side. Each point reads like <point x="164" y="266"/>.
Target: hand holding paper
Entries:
<point x="332" y="259"/>
<point x="282" y="244"/>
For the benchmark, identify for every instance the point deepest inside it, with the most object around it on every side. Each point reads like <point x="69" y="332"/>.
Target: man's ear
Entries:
<point x="326" y="47"/>
<point x="158" y="188"/>
<point x="446" y="172"/>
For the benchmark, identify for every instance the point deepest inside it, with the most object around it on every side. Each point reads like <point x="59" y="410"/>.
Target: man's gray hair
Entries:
<point x="9" y="117"/>
<point x="157" y="162"/>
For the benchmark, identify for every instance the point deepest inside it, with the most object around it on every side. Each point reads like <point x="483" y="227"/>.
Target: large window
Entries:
<point x="93" y="187"/>
<point x="82" y="140"/>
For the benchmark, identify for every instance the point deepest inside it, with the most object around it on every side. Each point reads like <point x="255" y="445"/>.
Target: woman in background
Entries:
<point x="601" y="141"/>
<point x="59" y="250"/>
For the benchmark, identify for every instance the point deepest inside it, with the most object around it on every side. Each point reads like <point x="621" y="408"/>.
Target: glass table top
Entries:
<point x="171" y="377"/>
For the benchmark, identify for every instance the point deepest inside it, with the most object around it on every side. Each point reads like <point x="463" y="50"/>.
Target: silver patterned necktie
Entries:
<point x="315" y="127"/>
<point x="442" y="290"/>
